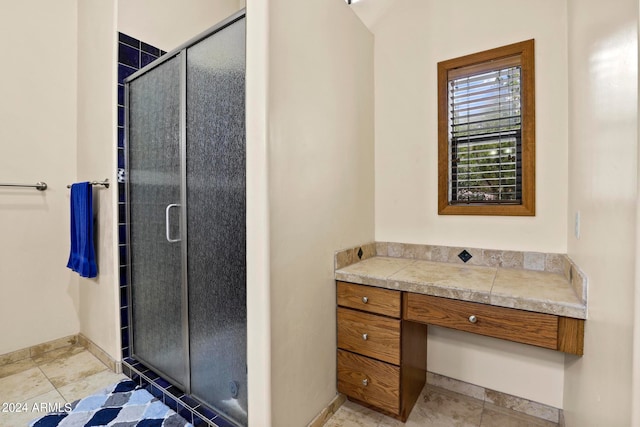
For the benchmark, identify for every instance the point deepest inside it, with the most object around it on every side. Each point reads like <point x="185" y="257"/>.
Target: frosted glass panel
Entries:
<point x="154" y="183"/>
<point x="216" y="220"/>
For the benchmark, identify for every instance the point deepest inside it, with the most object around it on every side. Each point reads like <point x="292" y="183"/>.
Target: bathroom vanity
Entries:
<point x="384" y="305"/>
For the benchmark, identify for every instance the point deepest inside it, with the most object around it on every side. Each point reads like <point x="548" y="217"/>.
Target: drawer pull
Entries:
<point x="365" y="382"/>
<point x="365" y="337"/>
<point x="365" y="300"/>
<point x="473" y="319"/>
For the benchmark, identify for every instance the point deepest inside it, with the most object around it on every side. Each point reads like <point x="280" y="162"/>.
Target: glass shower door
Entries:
<point x="159" y="336"/>
<point x="215" y="152"/>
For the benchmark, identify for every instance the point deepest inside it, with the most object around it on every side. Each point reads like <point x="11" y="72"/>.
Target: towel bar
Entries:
<point x="104" y="183"/>
<point x="40" y="186"/>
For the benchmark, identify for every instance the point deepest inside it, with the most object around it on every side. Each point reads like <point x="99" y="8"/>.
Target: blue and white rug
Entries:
<point x="122" y="405"/>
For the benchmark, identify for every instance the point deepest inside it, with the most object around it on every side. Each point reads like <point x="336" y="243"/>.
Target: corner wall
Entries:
<point x="603" y="185"/>
<point x="412" y="37"/>
<point x="40" y="300"/>
<point x="258" y="256"/>
<point x="97" y="57"/>
<point x="321" y="189"/>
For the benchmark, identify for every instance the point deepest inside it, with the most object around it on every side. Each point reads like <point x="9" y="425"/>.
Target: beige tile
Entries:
<point x="476" y="256"/>
<point x="382" y="249"/>
<point x="512" y="259"/>
<point x="16" y="367"/>
<point x="491" y="258"/>
<point x="14" y="356"/>
<point x="579" y="282"/>
<point x="89" y="385"/>
<point x="506" y="259"/>
<point x="534" y="261"/>
<point x="446" y="280"/>
<point x="395" y="249"/>
<point x="409" y="250"/>
<point x="373" y="271"/>
<point x="60" y="353"/>
<point x="412" y="251"/>
<point x="554" y="263"/>
<point x="536" y="291"/>
<point x="38" y="350"/>
<point x="102" y="355"/>
<point x="368" y="251"/>
<point x="24" y="385"/>
<point x="440" y="253"/>
<point x="351" y="414"/>
<point x="525" y="406"/>
<point x="456" y="386"/>
<point x="495" y="416"/>
<point x="329" y="411"/>
<point x="343" y="258"/>
<point x="33" y="408"/>
<point x="66" y="370"/>
<point x="440" y="408"/>
<point x="566" y="265"/>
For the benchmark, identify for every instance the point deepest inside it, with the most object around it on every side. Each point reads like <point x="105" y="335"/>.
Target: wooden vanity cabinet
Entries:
<point x="382" y="339"/>
<point x="381" y="358"/>
<point x="540" y="329"/>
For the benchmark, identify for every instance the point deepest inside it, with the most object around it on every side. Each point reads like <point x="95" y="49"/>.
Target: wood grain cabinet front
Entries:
<point x="369" y="334"/>
<point x="382" y="339"/>
<point x="370" y="299"/>
<point x="539" y="329"/>
<point x="381" y="358"/>
<point x="369" y="380"/>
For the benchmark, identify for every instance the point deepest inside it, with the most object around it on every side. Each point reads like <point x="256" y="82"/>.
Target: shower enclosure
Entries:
<point x="186" y="215"/>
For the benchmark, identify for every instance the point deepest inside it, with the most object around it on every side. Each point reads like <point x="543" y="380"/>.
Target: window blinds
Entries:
<point x="484" y="139"/>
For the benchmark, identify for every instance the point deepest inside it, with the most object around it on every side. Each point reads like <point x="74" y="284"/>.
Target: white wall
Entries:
<point x="167" y="24"/>
<point x="410" y="40"/>
<point x="412" y="37"/>
<point x="321" y="189"/>
<point x="258" y="256"/>
<point x="603" y="168"/>
<point x="38" y="139"/>
<point x="97" y="57"/>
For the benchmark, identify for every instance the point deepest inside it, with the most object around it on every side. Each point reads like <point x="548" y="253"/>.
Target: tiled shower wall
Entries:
<point x="134" y="54"/>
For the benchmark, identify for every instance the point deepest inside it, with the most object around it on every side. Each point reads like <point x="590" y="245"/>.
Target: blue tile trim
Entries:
<point x="192" y="410"/>
<point x="146" y="59"/>
<point x="124" y="71"/>
<point x="128" y="55"/>
<point x="129" y="61"/>
<point x="120" y="99"/>
<point x="149" y="49"/>
<point x="128" y="40"/>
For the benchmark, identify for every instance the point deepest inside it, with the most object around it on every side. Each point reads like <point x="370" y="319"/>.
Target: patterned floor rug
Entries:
<point x="122" y="405"/>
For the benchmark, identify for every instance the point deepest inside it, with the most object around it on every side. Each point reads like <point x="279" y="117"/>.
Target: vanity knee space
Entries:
<point x="382" y="339"/>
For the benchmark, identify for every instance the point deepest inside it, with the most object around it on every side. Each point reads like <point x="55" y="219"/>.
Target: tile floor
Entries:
<point x="437" y="407"/>
<point x="70" y="373"/>
<point x="55" y="377"/>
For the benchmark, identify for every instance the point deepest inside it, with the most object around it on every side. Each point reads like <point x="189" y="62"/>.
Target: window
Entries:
<point x="486" y="132"/>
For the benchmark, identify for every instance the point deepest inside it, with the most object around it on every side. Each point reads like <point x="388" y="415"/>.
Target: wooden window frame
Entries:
<point x="473" y="64"/>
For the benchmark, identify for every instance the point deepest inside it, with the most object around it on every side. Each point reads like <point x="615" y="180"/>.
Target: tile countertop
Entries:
<point x="529" y="290"/>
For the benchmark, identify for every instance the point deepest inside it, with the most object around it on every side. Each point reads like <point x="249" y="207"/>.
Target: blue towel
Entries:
<point x="82" y="258"/>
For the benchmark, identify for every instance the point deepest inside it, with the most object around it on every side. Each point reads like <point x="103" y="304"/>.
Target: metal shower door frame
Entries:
<point x="181" y="53"/>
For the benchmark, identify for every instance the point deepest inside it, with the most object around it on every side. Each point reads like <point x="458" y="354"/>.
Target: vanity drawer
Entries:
<point x="369" y="298"/>
<point x="370" y="381"/>
<point x="506" y="323"/>
<point x="369" y="334"/>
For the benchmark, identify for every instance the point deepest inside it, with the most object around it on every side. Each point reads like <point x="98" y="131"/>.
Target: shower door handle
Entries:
<point x="166" y="222"/>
